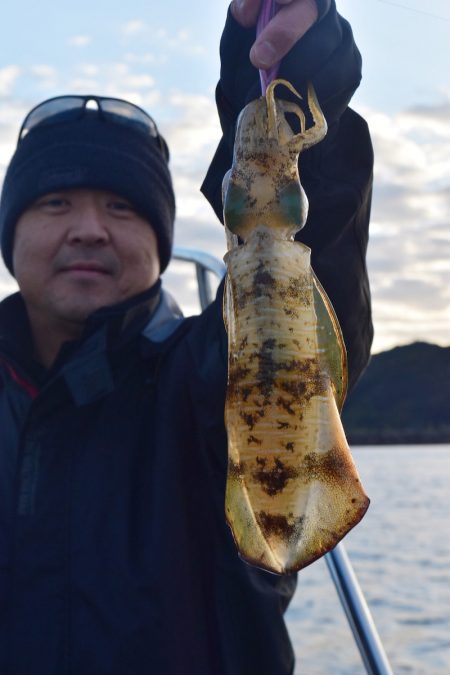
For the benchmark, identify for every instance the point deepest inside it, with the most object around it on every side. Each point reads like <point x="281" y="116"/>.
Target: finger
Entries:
<point x="246" y="11"/>
<point x="282" y="32"/>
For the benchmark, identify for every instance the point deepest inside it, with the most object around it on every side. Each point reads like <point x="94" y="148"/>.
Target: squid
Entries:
<point x="293" y="490"/>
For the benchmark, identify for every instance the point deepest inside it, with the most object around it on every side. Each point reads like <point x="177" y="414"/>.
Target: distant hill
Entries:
<point x="403" y="397"/>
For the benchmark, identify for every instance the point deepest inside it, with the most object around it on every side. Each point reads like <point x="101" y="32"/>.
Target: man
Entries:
<point x="114" y="553"/>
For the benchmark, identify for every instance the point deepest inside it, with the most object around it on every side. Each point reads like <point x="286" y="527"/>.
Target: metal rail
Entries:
<point x="204" y="263"/>
<point x="341" y="570"/>
<point x="357" y="612"/>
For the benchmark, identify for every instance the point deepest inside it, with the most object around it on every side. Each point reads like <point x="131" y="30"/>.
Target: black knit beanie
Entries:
<point x="92" y="151"/>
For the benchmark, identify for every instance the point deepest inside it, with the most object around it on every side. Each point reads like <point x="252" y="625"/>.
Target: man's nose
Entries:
<point x="88" y="227"/>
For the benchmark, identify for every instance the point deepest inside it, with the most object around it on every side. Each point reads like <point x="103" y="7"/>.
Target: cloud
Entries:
<point x="119" y="79"/>
<point x="409" y="247"/>
<point x="89" y="69"/>
<point x="183" y="41"/>
<point x="46" y="76"/>
<point x="83" y="85"/>
<point x="432" y="119"/>
<point x="134" y="27"/>
<point x="194" y="132"/>
<point x="79" y="40"/>
<point x="164" y="42"/>
<point x="141" y="59"/>
<point x="8" y="77"/>
<point x="141" y="81"/>
<point x="43" y="70"/>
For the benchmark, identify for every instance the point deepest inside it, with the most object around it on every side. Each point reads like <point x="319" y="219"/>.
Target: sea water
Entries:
<point x="401" y="555"/>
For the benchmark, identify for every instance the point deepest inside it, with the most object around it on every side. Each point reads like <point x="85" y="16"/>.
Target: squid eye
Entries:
<point x="293" y="203"/>
<point x="235" y="207"/>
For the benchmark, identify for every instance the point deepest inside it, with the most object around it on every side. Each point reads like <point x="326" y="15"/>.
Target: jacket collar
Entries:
<point x="153" y="313"/>
<point x="165" y="320"/>
<point x="95" y="365"/>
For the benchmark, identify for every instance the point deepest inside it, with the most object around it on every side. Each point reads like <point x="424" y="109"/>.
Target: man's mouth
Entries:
<point x="81" y="267"/>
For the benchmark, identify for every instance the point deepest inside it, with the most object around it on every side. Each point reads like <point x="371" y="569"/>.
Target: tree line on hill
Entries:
<point x="403" y="397"/>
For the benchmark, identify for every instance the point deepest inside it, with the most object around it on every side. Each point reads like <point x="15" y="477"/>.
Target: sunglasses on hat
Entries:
<point x="68" y="108"/>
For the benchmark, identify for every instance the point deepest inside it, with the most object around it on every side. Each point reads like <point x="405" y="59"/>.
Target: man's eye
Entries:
<point x="56" y="202"/>
<point x="119" y="205"/>
<point x="53" y="202"/>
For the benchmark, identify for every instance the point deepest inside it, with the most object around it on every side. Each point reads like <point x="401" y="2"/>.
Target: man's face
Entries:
<point x="78" y="250"/>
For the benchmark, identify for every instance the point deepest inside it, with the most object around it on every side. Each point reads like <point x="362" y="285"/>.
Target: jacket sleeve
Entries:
<point x="336" y="173"/>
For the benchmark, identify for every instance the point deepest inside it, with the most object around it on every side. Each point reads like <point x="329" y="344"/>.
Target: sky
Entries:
<point x="164" y="57"/>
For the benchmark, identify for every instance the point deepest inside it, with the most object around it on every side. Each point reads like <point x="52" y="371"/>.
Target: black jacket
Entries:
<point x="115" y="555"/>
<point x="115" y="558"/>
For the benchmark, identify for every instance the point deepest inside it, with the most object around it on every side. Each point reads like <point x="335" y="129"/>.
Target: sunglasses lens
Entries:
<point x="129" y="114"/>
<point x="46" y="110"/>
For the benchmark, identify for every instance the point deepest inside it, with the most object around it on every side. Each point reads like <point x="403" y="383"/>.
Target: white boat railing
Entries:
<point x="341" y="570"/>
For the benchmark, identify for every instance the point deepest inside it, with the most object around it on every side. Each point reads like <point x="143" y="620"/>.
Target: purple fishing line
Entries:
<point x="268" y="10"/>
